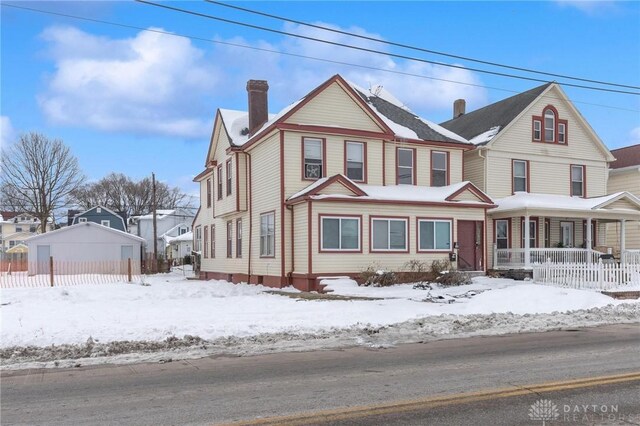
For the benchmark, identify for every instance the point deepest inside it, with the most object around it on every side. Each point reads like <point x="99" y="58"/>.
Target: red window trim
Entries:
<point x="219" y="173"/>
<point x="558" y="121"/>
<point x="229" y="239"/>
<point x="273" y="212"/>
<point x="407" y="219"/>
<point x="337" y="216"/>
<point x="229" y="180"/>
<point x="239" y="237"/>
<point x="213" y="241"/>
<point x="513" y="175"/>
<point x="442" y="219"/>
<point x="535" y="219"/>
<point x="448" y="171"/>
<point x="324" y="157"/>
<point x="535" y="120"/>
<point x="584" y="179"/>
<point x="495" y="231"/>
<point x="205" y="249"/>
<point x="415" y="164"/>
<point x="208" y="192"/>
<point x="364" y="160"/>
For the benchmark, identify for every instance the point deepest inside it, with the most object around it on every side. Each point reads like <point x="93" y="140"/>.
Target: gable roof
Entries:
<point x="93" y="224"/>
<point x="118" y="215"/>
<point x="627" y="156"/>
<point x="497" y="115"/>
<point x="406" y="193"/>
<point x="402" y="120"/>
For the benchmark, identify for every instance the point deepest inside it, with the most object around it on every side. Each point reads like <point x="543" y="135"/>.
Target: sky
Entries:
<point x="139" y="100"/>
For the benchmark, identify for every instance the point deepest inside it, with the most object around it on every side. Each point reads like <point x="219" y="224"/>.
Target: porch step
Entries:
<point x="623" y="295"/>
<point x="472" y="274"/>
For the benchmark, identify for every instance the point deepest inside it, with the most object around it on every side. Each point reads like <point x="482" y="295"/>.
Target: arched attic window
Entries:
<point x="549" y="126"/>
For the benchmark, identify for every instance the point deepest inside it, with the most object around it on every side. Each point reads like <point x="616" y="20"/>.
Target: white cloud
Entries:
<point x="590" y="7"/>
<point x="7" y="132"/>
<point x="151" y="83"/>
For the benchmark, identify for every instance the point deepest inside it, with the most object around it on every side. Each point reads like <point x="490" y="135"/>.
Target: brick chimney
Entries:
<point x="459" y="107"/>
<point x="258" y="107"/>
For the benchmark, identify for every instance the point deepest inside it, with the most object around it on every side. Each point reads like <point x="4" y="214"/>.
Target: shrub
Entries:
<point x="376" y="277"/>
<point x="453" y="278"/>
<point x="415" y="271"/>
<point x="440" y="266"/>
<point x="187" y="260"/>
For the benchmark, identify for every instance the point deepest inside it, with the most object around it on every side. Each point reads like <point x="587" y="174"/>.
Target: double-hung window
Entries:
<point x="577" y="181"/>
<point x="562" y="133"/>
<point x="209" y="193"/>
<point x="502" y="234"/>
<point x="239" y="238"/>
<point x="406" y="172"/>
<point x="229" y="177"/>
<point x="439" y="165"/>
<point x="213" y="241"/>
<point x="219" y="182"/>
<point x="354" y="161"/>
<point x="268" y="234"/>
<point x="549" y="126"/>
<point x="434" y="235"/>
<point x="205" y="253"/>
<point x="340" y="233"/>
<point x="389" y="234"/>
<point x="229" y="238"/>
<point x="520" y="176"/>
<point x="313" y="158"/>
<point x="533" y="233"/>
<point x="197" y="238"/>
<point x="537" y="130"/>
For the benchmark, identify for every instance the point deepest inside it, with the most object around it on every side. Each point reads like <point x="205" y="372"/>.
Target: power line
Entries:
<point x="364" y="49"/>
<point x="277" y="52"/>
<point x="419" y="49"/>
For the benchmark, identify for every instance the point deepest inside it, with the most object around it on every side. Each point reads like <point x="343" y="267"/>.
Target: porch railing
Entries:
<point x="630" y="257"/>
<point x="514" y="258"/>
<point x="596" y="276"/>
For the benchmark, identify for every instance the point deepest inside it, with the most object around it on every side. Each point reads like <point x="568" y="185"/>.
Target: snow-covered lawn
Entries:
<point x="172" y="306"/>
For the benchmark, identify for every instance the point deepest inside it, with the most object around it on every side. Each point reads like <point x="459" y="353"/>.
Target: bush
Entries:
<point x="440" y="266"/>
<point x="453" y="278"/>
<point x="415" y="271"/>
<point x="187" y="260"/>
<point x="376" y="277"/>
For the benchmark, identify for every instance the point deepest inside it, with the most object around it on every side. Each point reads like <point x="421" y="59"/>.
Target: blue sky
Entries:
<point x="138" y="102"/>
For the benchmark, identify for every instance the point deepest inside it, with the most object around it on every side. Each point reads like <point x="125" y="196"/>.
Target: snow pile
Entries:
<point x="485" y="137"/>
<point x="189" y="318"/>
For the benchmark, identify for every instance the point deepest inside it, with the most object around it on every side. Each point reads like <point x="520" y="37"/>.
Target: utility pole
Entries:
<point x="155" y="227"/>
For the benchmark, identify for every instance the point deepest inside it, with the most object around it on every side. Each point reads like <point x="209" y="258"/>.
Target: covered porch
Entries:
<point x="529" y="229"/>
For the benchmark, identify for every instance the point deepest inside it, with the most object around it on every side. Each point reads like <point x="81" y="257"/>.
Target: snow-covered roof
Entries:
<point x="237" y="125"/>
<point x="485" y="137"/>
<point x="93" y="224"/>
<point x="414" y="193"/>
<point x="525" y="200"/>
<point x="187" y="236"/>
<point x="399" y="118"/>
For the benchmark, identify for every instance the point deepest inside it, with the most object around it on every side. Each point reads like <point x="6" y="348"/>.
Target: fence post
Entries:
<point x="51" y="270"/>
<point x="129" y="269"/>
<point x="600" y="274"/>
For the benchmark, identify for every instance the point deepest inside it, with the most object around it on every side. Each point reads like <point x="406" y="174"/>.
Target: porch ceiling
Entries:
<point x="603" y="215"/>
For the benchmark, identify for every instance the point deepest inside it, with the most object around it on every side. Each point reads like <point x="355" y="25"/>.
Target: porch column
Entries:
<point x="527" y="243"/>
<point x="622" y="239"/>
<point x="589" y="238"/>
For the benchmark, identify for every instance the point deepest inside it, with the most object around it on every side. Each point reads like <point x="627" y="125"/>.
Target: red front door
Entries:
<point x="470" y="244"/>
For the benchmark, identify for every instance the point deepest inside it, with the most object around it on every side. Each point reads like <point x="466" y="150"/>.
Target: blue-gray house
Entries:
<point x="102" y="216"/>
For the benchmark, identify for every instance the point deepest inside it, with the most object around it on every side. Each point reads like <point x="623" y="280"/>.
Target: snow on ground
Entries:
<point x="189" y="318"/>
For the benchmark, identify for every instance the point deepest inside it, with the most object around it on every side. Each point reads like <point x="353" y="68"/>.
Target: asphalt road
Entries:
<point x="484" y="380"/>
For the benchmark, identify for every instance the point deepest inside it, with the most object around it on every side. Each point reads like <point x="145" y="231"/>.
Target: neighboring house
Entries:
<point x="342" y="180"/>
<point x="178" y="246"/>
<point x="84" y="248"/>
<point x="15" y="228"/>
<point x="624" y="175"/>
<point x="102" y="216"/>
<point x="166" y="220"/>
<point x="546" y="169"/>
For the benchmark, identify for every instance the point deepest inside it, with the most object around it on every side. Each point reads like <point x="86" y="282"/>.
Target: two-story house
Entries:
<point x="169" y="222"/>
<point x="624" y="175"/>
<point x="338" y="181"/>
<point x="102" y="216"/>
<point x="547" y="171"/>
<point x="15" y="228"/>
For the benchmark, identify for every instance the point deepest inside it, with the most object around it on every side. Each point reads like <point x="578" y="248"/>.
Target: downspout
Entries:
<point x="249" y="208"/>
<point x="484" y="169"/>
<point x="293" y="252"/>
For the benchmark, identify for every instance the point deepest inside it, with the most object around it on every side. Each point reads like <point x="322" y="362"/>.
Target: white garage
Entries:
<point x="84" y="248"/>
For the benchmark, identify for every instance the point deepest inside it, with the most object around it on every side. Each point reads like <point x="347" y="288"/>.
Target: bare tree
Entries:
<point x="38" y="175"/>
<point x="120" y="193"/>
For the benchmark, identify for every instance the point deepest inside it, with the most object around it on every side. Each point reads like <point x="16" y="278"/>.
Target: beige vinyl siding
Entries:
<point x="265" y="197"/>
<point x="334" y="107"/>
<point x="628" y="180"/>
<point x="336" y="188"/>
<point x="547" y="175"/>
<point x="221" y="263"/>
<point x="355" y="262"/>
<point x="474" y="168"/>
<point x="423" y="162"/>
<point x="518" y="137"/>
<point x="622" y="204"/>
<point x="300" y="235"/>
<point x="334" y="161"/>
<point x="242" y="186"/>
<point x="467" y="196"/>
<point x="227" y="204"/>
<point x="632" y="236"/>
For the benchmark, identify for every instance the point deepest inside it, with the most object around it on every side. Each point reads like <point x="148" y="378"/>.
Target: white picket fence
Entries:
<point x="595" y="276"/>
